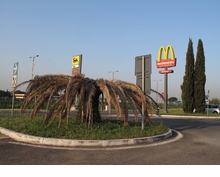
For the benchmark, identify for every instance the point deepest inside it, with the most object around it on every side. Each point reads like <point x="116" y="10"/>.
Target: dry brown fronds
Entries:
<point x="117" y="93"/>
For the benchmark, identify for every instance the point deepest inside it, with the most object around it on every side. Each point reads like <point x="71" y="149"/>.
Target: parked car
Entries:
<point x="178" y="103"/>
<point x="213" y="108"/>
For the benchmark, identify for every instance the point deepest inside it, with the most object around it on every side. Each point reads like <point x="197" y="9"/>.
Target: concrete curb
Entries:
<point x="192" y="117"/>
<point x="81" y="143"/>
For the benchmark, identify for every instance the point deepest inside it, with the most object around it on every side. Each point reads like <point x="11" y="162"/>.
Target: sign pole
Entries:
<point x="13" y="100"/>
<point x="76" y="69"/>
<point x="14" y="82"/>
<point x="143" y="77"/>
<point x="143" y="88"/>
<point x="166" y="63"/>
<point x="208" y="103"/>
<point x="165" y="91"/>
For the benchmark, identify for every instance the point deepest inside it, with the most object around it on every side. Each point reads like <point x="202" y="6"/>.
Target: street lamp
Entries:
<point x="113" y="73"/>
<point x="33" y="57"/>
<point x="157" y="90"/>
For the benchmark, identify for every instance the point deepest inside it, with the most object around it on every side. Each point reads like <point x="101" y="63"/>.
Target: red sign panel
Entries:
<point x="166" y="71"/>
<point x="75" y="72"/>
<point x="166" y="63"/>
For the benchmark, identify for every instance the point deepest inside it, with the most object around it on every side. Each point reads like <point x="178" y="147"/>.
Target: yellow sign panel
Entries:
<point x="19" y="95"/>
<point x="166" y="52"/>
<point x="166" y="62"/>
<point x="76" y="60"/>
<point x="76" y="64"/>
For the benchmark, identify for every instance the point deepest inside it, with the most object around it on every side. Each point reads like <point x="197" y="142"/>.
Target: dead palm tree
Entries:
<point x="88" y="92"/>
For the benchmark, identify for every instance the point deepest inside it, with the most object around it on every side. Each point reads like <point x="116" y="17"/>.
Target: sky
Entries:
<point x="109" y="34"/>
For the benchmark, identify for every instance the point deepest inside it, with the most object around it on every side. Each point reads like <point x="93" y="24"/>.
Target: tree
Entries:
<point x="214" y="101"/>
<point x="88" y="92"/>
<point x="200" y="79"/>
<point x="5" y="93"/>
<point x="19" y="92"/>
<point x="172" y="99"/>
<point x="188" y="81"/>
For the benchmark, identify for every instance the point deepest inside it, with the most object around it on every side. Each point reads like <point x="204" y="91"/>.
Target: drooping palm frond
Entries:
<point x="87" y="91"/>
<point x="158" y="93"/>
<point x="136" y="98"/>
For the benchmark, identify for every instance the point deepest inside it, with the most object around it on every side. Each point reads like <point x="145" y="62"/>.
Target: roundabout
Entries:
<point x="21" y="138"/>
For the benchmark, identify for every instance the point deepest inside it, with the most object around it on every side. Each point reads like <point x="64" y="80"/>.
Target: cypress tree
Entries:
<point x="200" y="79"/>
<point x="188" y="81"/>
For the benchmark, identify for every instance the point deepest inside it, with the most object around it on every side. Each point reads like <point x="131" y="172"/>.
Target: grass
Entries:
<point x="106" y="129"/>
<point x="179" y="111"/>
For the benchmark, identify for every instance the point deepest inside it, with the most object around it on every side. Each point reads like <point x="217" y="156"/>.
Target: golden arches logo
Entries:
<point x="166" y="53"/>
<point x="166" y="62"/>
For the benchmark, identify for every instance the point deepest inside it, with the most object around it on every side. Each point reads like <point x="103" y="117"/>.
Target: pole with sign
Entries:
<point x="143" y="79"/>
<point x="76" y="64"/>
<point x="208" y="102"/>
<point x="14" y="83"/>
<point x="166" y="63"/>
<point x="76" y="69"/>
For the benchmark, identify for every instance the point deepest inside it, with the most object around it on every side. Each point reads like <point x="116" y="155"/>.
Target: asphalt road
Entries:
<point x="200" y="145"/>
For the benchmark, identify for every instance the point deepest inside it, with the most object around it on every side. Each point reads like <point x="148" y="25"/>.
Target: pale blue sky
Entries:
<point x="109" y="34"/>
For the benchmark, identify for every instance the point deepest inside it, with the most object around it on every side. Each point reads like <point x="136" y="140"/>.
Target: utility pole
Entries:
<point x="32" y="73"/>
<point x="157" y="90"/>
<point x="165" y="92"/>
<point x="113" y="74"/>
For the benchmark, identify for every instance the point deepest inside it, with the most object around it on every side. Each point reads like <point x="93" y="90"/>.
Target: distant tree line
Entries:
<point x="5" y="93"/>
<point x="214" y="101"/>
<point x="6" y="99"/>
<point x="8" y="94"/>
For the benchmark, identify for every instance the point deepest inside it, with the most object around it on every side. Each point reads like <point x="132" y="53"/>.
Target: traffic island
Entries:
<point x="20" y="137"/>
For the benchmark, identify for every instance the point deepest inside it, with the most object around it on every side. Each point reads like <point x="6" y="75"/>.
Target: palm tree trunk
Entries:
<point x="95" y="105"/>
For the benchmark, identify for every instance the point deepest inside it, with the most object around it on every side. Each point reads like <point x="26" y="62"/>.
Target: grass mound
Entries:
<point x="105" y="130"/>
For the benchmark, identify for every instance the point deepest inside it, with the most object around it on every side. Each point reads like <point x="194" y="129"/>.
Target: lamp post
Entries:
<point x="113" y="73"/>
<point x="32" y="73"/>
<point x="157" y="90"/>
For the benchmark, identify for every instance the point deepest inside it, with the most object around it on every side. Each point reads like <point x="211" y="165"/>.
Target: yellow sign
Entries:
<point x="76" y="60"/>
<point x="166" y="62"/>
<point x="76" y="64"/>
<point x="19" y="95"/>
<point x="166" y="53"/>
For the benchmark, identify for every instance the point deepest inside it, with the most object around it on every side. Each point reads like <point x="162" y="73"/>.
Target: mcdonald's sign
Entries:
<point x="166" y="62"/>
